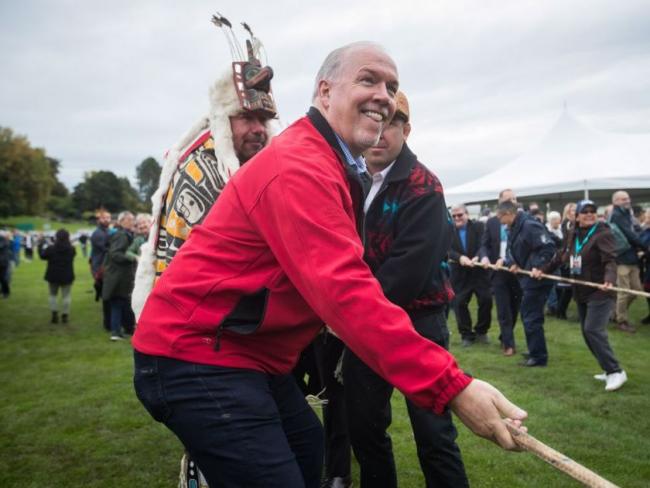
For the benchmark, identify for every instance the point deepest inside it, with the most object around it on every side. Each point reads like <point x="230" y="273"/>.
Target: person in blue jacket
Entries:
<point x="530" y="248"/>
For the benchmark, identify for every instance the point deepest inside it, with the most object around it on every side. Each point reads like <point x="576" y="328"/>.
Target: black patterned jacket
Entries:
<point x="408" y="235"/>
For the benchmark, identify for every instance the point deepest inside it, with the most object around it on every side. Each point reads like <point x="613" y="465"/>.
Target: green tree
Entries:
<point x="130" y="198"/>
<point x="60" y="202"/>
<point x="26" y="179"/>
<point x="148" y="176"/>
<point x="100" y="189"/>
<point x="103" y="189"/>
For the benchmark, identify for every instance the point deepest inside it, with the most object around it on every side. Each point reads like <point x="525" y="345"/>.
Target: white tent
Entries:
<point x="571" y="161"/>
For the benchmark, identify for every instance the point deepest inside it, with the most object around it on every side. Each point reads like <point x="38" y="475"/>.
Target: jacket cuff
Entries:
<point x="457" y="384"/>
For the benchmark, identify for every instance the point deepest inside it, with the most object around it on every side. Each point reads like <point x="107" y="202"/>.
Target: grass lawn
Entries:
<point x="40" y="224"/>
<point x="69" y="417"/>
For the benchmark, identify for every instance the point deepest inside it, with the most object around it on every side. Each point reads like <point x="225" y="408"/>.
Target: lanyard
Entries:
<point x="580" y="245"/>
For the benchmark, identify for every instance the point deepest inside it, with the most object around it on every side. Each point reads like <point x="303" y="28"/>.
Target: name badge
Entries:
<point x="575" y="265"/>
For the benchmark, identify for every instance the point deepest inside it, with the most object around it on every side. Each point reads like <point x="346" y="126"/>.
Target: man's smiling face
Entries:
<point x="362" y="98"/>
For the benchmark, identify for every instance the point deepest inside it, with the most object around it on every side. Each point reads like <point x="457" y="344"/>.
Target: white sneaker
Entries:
<point x="615" y="381"/>
<point x="601" y="377"/>
<point x="117" y="338"/>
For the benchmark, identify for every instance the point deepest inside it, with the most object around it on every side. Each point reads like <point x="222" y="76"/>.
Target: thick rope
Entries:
<point x="557" y="459"/>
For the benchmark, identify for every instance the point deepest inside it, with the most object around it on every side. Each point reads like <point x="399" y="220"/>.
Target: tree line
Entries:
<point x="29" y="184"/>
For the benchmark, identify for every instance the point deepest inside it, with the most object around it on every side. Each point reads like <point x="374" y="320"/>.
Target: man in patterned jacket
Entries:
<point x="407" y="238"/>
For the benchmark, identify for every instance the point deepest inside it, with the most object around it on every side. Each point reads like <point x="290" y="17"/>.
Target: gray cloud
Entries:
<point x="104" y="85"/>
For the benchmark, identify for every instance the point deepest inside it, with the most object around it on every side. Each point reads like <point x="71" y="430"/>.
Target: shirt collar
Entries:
<point x="359" y="164"/>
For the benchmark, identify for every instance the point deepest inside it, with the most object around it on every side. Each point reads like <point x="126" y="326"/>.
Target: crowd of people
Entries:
<point x="326" y="263"/>
<point x="609" y="249"/>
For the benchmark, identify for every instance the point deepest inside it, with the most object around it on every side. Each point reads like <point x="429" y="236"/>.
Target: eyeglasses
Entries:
<point x="457" y="216"/>
<point x="587" y="211"/>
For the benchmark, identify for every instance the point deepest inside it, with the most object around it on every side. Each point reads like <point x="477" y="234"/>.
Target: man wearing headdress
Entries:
<point x="199" y="166"/>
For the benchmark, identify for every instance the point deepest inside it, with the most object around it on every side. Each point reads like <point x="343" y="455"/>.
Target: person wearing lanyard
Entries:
<point x="590" y="252"/>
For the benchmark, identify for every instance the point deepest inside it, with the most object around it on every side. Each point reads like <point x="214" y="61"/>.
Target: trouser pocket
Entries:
<point x="148" y="386"/>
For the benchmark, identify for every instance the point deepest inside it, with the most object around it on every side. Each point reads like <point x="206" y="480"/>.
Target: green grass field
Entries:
<point x="69" y="417"/>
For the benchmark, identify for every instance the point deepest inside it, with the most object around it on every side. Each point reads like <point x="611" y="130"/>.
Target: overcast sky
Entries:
<point x="103" y="85"/>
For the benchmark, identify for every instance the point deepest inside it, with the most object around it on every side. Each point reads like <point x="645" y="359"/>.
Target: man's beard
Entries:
<point x="368" y="142"/>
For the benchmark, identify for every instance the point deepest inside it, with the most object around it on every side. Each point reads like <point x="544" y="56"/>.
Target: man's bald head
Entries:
<point x="355" y="91"/>
<point x="622" y="199"/>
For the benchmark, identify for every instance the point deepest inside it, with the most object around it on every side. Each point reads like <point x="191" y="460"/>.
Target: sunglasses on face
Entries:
<point x="457" y="216"/>
<point x="588" y="211"/>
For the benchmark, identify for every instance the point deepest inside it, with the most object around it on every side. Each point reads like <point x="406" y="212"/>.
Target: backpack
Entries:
<point x="621" y="244"/>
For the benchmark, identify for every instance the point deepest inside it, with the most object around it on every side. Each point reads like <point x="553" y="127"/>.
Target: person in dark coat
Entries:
<point x="468" y="280"/>
<point x="119" y="275"/>
<point x="590" y="252"/>
<point x="530" y="248"/>
<point x="98" y="249"/>
<point x="59" y="273"/>
<point x="407" y="239"/>
<point x="505" y="286"/>
<point x="628" y="264"/>
<point x="5" y="259"/>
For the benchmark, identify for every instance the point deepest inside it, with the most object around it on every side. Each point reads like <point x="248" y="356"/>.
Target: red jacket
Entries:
<point x="277" y="256"/>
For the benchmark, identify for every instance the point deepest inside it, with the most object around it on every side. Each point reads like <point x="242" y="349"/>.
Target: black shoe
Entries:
<point x="531" y="363"/>
<point x="482" y="339"/>
<point x="337" y="482"/>
<point x="466" y="342"/>
<point x="55" y="318"/>
<point x="646" y="321"/>
<point x="64" y="318"/>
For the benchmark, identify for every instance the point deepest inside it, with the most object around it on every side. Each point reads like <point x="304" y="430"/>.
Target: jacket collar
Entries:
<point x="518" y="223"/>
<point x="325" y="130"/>
<point x="403" y="165"/>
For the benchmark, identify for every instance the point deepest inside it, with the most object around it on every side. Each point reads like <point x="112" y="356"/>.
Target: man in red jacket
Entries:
<point x="250" y="289"/>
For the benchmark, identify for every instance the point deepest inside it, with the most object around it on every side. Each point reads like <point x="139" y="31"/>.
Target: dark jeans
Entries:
<point x="461" y="308"/>
<point x="507" y="296"/>
<point x="367" y="398"/>
<point x="243" y="428"/>
<point x="532" y="315"/>
<point x="121" y="315"/>
<point x="594" y="316"/>
<point x="4" y="282"/>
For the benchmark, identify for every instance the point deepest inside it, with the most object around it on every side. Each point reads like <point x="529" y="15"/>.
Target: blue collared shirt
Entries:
<point x="359" y="164"/>
<point x="462" y="233"/>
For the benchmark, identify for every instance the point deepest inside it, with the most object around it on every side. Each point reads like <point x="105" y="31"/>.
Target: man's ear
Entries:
<point x="324" y="90"/>
<point x="407" y="130"/>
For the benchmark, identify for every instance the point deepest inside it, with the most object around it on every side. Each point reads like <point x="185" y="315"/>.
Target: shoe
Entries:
<point x="64" y="318"/>
<point x="615" y="381"/>
<point x="55" y="318"/>
<point x="509" y="351"/>
<point x="466" y="342"/>
<point x="562" y="316"/>
<point x="482" y="339"/>
<point x="526" y="355"/>
<point x="625" y="327"/>
<point x="337" y="482"/>
<point x="646" y="321"/>
<point x="601" y="377"/>
<point x="532" y="363"/>
<point x="551" y="312"/>
<point x="117" y="338"/>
